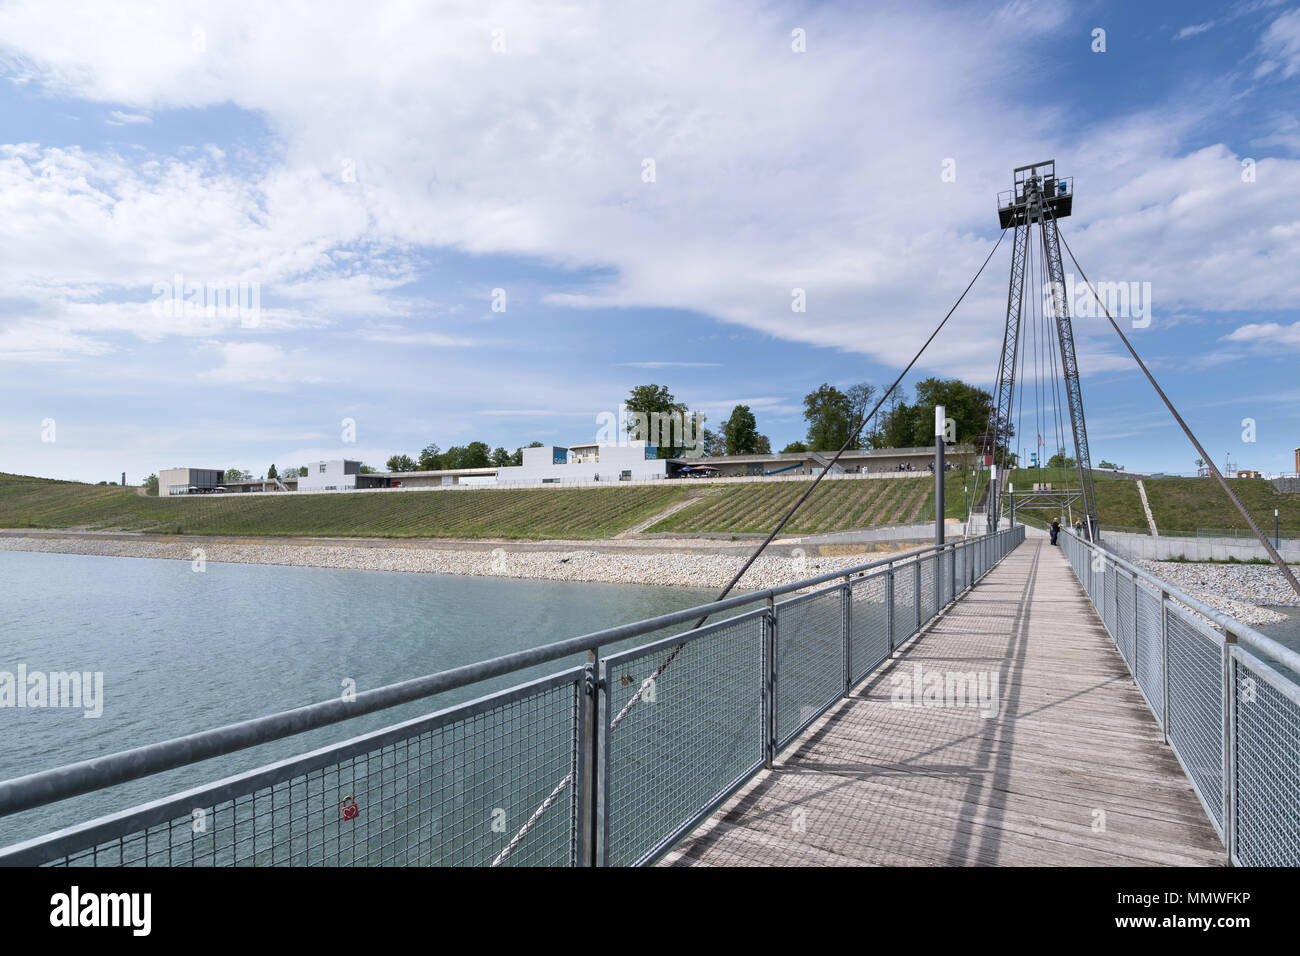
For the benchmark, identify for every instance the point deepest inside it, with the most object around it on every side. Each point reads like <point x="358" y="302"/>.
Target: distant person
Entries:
<point x="1078" y="527"/>
<point x="1055" y="529"/>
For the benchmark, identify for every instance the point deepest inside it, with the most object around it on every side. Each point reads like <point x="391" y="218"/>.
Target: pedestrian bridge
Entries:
<point x="993" y="700"/>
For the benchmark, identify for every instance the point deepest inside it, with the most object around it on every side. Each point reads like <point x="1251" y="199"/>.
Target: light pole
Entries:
<point x="939" y="420"/>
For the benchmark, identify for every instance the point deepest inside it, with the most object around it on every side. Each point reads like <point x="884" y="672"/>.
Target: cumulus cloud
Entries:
<point x="772" y="170"/>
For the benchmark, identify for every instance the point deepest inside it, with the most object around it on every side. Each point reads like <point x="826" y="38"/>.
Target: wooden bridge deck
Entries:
<point x="1073" y="769"/>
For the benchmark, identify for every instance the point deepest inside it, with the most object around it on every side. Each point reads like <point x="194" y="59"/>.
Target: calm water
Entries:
<point x="1285" y="632"/>
<point x="182" y="651"/>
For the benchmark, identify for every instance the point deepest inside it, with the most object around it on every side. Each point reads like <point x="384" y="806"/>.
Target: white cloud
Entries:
<point x="119" y="118"/>
<point x="774" y="170"/>
<point x="1267" y="333"/>
<point x="1279" y="47"/>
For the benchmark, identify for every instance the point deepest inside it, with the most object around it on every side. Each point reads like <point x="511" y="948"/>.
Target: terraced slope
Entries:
<point x="522" y="514"/>
<point x="834" y="506"/>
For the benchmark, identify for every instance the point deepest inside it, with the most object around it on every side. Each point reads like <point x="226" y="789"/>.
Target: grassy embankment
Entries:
<point x="585" y="513"/>
<point x="1179" y="504"/>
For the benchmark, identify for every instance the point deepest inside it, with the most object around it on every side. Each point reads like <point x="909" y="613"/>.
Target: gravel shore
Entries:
<point x="1237" y="590"/>
<point x="699" y="570"/>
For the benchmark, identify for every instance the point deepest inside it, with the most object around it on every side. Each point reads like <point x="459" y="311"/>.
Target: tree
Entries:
<point x="656" y="416"/>
<point x="151" y="485"/>
<point x="365" y="470"/>
<point x="234" y="474"/>
<point x="430" y="458"/>
<point x="860" y="397"/>
<point x="714" y="444"/>
<point x="762" y="446"/>
<point x="829" y="413"/>
<point x="1109" y="464"/>
<point x="501" y="458"/>
<point x="1059" y="460"/>
<point x="794" y="448"/>
<point x="271" y="473"/>
<point x="740" y="432"/>
<point x="473" y="455"/>
<point x="302" y="471"/>
<point x="401" y="463"/>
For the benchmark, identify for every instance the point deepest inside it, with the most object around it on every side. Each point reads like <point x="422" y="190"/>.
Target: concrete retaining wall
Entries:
<point x="1193" y="549"/>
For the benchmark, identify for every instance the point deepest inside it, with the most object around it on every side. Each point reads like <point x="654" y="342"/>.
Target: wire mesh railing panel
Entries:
<point x="1195" y="707"/>
<point x="959" y="557"/>
<point x="929" y="587"/>
<point x="904" y="603"/>
<point x="1150" y="655"/>
<point x="809" y="659"/>
<point x="450" y="789"/>
<point x="869" y="620"/>
<point x="1124" y="617"/>
<point x="695" y="732"/>
<point x="1266" y="798"/>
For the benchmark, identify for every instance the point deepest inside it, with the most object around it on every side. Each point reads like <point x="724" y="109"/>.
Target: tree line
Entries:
<point x="832" y="416"/>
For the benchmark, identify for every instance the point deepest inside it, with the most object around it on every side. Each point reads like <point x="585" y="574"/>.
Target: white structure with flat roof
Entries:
<point x="634" y="461"/>
<point x="334" y="475"/>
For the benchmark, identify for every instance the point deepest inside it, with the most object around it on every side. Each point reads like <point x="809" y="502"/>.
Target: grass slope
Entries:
<point x="1179" y="504"/>
<point x="834" y="506"/>
<point x="523" y="514"/>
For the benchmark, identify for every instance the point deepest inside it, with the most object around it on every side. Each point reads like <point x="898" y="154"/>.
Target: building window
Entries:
<point x="322" y="468"/>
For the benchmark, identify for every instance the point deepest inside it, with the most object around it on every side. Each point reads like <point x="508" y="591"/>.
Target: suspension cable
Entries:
<point x="1205" y="456"/>
<point x="650" y="681"/>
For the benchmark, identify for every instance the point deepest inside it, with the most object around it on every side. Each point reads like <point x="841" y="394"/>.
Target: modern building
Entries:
<point x="338" y="475"/>
<point x="556" y="464"/>
<point x="858" y="461"/>
<point x="188" y="481"/>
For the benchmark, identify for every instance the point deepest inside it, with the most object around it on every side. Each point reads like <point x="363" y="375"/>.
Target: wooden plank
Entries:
<point x="875" y="783"/>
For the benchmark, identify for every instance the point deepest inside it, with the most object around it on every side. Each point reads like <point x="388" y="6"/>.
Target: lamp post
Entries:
<point x="940" y="416"/>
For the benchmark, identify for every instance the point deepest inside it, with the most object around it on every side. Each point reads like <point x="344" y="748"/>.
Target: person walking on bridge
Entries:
<point x="1055" y="529"/>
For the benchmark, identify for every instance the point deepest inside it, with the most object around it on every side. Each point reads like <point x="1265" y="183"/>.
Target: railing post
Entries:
<point x="848" y="634"/>
<point x="952" y="573"/>
<point x="769" y="688"/>
<point x="591" y="800"/>
<point x="889" y="605"/>
<point x="1229" y="750"/>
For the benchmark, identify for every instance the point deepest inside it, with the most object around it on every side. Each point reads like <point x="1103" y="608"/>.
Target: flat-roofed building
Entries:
<point x="338" y="474"/>
<point x="634" y="461"/>
<point x="188" y="481"/>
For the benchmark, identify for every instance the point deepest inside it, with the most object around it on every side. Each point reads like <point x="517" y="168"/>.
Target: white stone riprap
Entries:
<point x="1238" y="590"/>
<point x="676" y="569"/>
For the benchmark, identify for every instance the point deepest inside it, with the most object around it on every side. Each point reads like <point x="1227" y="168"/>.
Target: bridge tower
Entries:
<point x="1039" y="198"/>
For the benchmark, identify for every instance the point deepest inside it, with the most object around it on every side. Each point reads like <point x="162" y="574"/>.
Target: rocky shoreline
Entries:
<point x="1238" y="590"/>
<point x="666" y="569"/>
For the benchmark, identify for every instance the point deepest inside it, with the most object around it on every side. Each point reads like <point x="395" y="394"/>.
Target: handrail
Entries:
<point x="1244" y="633"/>
<point x="60" y="783"/>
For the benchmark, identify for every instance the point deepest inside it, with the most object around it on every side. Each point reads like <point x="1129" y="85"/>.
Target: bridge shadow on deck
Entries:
<point x="1072" y="769"/>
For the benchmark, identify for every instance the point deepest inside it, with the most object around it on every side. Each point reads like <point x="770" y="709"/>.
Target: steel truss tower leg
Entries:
<point x="1007" y="368"/>
<point x="1070" y="369"/>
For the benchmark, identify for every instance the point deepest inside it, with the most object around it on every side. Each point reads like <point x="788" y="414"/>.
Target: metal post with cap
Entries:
<point x="940" y="419"/>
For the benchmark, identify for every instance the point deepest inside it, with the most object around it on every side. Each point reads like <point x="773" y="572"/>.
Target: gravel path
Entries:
<point x="1237" y="590"/>
<point x="666" y="569"/>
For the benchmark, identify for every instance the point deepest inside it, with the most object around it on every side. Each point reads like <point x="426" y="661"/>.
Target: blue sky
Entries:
<point x="378" y="177"/>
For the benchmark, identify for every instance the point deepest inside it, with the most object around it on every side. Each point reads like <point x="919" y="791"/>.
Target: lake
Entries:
<point x="182" y="651"/>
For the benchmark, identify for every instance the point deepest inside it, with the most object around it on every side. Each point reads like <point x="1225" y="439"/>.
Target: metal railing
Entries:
<point x="607" y="763"/>
<point x="1226" y="696"/>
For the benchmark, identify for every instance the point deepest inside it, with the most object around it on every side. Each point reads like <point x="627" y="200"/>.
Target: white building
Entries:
<point x="635" y="461"/>
<point x="336" y="475"/>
